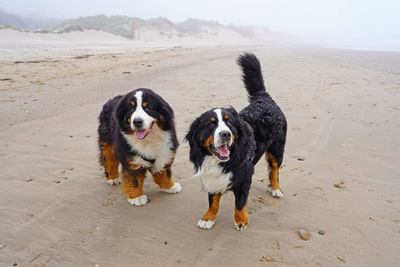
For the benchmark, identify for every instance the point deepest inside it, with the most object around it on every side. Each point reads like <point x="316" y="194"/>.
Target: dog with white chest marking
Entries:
<point x="137" y="130"/>
<point x="226" y="145"/>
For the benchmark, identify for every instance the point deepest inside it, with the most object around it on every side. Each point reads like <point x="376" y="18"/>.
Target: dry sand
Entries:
<point x="56" y="208"/>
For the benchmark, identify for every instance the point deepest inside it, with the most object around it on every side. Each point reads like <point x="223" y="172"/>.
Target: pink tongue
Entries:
<point x="140" y="134"/>
<point x="223" y="151"/>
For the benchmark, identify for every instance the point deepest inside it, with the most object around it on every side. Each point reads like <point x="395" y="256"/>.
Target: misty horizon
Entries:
<point x="361" y="24"/>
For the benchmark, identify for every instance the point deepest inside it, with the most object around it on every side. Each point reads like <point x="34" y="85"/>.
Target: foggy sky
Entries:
<point x="355" y="23"/>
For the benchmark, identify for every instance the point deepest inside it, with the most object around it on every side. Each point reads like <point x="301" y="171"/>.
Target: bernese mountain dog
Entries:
<point x="226" y="145"/>
<point x="138" y="131"/>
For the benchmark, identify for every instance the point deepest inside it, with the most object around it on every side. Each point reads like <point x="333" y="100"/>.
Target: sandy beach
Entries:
<point x="342" y="107"/>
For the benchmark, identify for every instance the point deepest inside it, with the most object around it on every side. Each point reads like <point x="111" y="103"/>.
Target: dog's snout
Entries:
<point x="225" y="135"/>
<point x="138" y="122"/>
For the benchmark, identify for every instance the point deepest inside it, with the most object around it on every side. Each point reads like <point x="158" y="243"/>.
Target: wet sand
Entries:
<point x="343" y="114"/>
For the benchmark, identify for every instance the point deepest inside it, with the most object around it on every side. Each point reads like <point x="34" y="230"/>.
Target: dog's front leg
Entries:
<point x="132" y="185"/>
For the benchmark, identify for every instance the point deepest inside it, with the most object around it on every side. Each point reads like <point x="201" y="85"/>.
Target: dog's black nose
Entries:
<point x="138" y="122"/>
<point x="225" y="135"/>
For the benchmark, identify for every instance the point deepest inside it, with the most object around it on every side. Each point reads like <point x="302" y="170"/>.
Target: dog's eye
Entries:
<point x="146" y="106"/>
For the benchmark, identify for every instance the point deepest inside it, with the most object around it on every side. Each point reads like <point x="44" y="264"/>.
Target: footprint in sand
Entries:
<point x="340" y="185"/>
<point x="40" y="260"/>
<point x="317" y="192"/>
<point x="339" y="259"/>
<point x="267" y="203"/>
<point x="272" y="245"/>
<point x="28" y="217"/>
<point x="300" y="170"/>
<point x="108" y="202"/>
<point x="270" y="260"/>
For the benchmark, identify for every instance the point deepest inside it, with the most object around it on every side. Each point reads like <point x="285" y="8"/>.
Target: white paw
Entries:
<point x="176" y="188"/>
<point x="277" y="193"/>
<point x="205" y="224"/>
<point x="115" y="181"/>
<point x="138" y="201"/>
<point x="239" y="227"/>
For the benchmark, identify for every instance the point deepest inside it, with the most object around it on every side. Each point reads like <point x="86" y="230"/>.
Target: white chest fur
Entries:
<point x="212" y="178"/>
<point x="157" y="145"/>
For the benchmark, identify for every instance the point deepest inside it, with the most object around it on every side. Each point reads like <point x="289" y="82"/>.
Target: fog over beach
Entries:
<point x="333" y="67"/>
<point x="341" y="23"/>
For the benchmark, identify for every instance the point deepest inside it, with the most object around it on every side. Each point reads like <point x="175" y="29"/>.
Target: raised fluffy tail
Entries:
<point x="252" y="76"/>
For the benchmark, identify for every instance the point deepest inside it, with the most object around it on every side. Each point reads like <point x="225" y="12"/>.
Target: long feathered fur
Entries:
<point x="252" y="75"/>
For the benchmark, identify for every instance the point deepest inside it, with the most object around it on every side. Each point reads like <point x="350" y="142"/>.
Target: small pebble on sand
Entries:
<point x="304" y="234"/>
<point x="321" y="232"/>
<point x="300" y="158"/>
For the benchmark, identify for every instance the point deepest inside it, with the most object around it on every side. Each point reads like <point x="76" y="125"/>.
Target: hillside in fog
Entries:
<point x="156" y="29"/>
<point x="26" y="22"/>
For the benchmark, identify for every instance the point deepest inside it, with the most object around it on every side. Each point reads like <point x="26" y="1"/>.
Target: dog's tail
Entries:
<point x="252" y="76"/>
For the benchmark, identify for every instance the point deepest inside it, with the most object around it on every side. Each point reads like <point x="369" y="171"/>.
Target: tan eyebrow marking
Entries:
<point x="213" y="119"/>
<point x="133" y="103"/>
<point x="226" y="117"/>
<point x="144" y="104"/>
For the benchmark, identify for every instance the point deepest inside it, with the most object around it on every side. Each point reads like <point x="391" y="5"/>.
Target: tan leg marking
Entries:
<point x="109" y="161"/>
<point x="208" y="220"/>
<point x="273" y="176"/>
<point x="241" y="218"/>
<point x="132" y="184"/>
<point x="163" y="179"/>
<point x="212" y="211"/>
<point x="273" y="173"/>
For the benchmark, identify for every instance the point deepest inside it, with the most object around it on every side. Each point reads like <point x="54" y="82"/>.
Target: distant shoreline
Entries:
<point x="372" y="49"/>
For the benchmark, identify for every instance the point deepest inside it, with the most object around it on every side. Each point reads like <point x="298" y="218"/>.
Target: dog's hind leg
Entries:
<point x="273" y="175"/>
<point x="110" y="163"/>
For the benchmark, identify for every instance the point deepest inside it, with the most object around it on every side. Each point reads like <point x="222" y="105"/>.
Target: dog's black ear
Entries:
<point x="166" y="114"/>
<point x="122" y="113"/>
<point x="196" y="154"/>
<point x="244" y="144"/>
<point x="237" y="122"/>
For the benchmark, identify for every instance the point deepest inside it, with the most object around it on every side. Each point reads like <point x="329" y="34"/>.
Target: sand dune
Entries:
<point x="57" y="210"/>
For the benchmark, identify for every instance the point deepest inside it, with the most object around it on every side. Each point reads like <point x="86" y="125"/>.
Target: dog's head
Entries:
<point x="217" y="132"/>
<point x="142" y="109"/>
